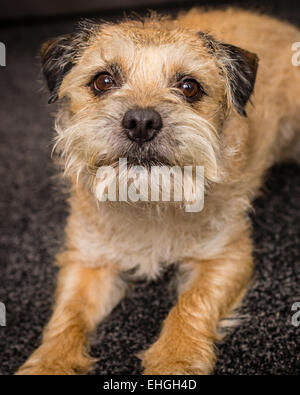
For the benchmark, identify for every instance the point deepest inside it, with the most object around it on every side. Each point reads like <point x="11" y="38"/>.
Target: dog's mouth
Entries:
<point x="134" y="156"/>
<point x="147" y="162"/>
<point x="133" y="161"/>
<point x="144" y="156"/>
<point x="149" y="155"/>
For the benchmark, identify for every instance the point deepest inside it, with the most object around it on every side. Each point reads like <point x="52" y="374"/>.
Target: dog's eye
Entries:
<point x="191" y="89"/>
<point x="103" y="82"/>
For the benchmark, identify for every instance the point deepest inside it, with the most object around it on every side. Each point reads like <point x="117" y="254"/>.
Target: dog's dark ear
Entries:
<point x="240" y="67"/>
<point x="57" y="59"/>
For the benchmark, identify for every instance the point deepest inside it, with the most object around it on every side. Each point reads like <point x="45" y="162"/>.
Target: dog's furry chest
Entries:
<point x="143" y="242"/>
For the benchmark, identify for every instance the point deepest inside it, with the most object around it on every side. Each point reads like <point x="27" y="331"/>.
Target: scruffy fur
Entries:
<point x="236" y="131"/>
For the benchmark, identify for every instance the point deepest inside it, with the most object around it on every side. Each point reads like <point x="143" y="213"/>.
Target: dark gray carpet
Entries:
<point x="32" y="216"/>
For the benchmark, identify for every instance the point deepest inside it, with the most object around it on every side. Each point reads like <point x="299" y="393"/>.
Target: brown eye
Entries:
<point x="191" y="89"/>
<point x="103" y="82"/>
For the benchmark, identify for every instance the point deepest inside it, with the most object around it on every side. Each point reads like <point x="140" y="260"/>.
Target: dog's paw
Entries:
<point x="53" y="368"/>
<point x="45" y="363"/>
<point x="164" y="359"/>
<point x="173" y="368"/>
<point x="176" y="367"/>
<point x="41" y="369"/>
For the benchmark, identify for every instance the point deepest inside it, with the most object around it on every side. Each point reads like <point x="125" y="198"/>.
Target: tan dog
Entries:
<point x="165" y="92"/>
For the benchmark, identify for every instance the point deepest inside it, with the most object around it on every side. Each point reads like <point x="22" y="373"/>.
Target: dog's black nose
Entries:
<point x="142" y="124"/>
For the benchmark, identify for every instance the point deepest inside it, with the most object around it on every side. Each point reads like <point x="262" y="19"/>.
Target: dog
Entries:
<point x="209" y="88"/>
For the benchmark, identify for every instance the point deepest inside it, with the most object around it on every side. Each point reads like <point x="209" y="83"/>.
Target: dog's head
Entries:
<point x="149" y="91"/>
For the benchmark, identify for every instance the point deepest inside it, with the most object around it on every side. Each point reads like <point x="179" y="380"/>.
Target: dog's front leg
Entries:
<point x="186" y="343"/>
<point x="84" y="297"/>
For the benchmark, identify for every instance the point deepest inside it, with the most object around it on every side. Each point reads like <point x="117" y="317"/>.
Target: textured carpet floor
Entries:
<point x="32" y="217"/>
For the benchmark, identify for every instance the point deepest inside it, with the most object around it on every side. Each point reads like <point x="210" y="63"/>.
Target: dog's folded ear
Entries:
<point x="56" y="59"/>
<point x="240" y="67"/>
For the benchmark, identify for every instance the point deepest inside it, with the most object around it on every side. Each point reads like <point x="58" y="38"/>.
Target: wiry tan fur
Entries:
<point x="213" y="246"/>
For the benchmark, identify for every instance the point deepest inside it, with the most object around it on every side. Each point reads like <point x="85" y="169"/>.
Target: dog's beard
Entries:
<point x="148" y="186"/>
<point x="88" y="144"/>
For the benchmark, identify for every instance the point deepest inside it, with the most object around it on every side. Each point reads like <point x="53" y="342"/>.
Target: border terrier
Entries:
<point x="214" y="88"/>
